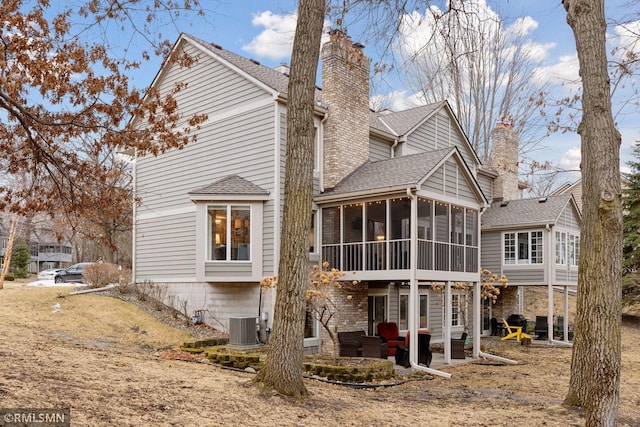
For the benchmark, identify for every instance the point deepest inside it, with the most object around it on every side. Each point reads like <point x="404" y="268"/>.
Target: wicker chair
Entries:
<point x="457" y="347"/>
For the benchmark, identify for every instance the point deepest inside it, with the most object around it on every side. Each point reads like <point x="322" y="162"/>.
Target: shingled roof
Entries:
<point x="403" y="171"/>
<point x="401" y="122"/>
<point x="266" y="75"/>
<point x="525" y="212"/>
<point x="232" y="184"/>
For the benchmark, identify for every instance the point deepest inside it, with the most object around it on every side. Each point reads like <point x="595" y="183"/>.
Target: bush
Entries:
<point x="9" y="278"/>
<point x="101" y="274"/>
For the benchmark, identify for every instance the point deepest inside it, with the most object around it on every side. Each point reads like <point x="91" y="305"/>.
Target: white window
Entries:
<point x="567" y="248"/>
<point x="423" y="323"/>
<point x="523" y="248"/>
<point x="458" y="307"/>
<point x="229" y="233"/>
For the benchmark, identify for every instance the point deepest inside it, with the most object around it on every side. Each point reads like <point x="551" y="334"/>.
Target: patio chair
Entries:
<point x="457" y="347"/>
<point x="514" y="332"/>
<point x="542" y="328"/>
<point x="374" y="347"/>
<point x="561" y="329"/>
<point x="391" y="335"/>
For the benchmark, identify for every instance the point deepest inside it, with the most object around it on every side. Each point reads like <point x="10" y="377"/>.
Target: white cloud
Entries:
<point x="570" y="160"/>
<point x="565" y="72"/>
<point x="276" y="39"/>
<point x="396" y="101"/>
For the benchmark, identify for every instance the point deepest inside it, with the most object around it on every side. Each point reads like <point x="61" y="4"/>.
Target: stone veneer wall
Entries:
<point x="351" y="315"/>
<point x="504" y="158"/>
<point x="507" y="303"/>
<point x="345" y="90"/>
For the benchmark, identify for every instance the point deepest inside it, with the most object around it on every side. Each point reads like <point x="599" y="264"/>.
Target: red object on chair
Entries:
<point x="389" y="331"/>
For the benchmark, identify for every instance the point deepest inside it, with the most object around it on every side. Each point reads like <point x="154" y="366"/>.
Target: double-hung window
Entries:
<point x="567" y="248"/>
<point x="523" y="248"/>
<point x="229" y="233"/>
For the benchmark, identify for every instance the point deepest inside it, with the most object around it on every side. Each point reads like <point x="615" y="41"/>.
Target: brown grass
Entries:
<point x="101" y="357"/>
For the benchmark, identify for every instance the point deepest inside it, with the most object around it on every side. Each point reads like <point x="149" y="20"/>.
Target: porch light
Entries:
<point x="380" y="237"/>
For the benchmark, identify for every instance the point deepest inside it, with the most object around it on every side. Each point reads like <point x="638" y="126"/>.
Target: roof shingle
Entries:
<point x="536" y="211"/>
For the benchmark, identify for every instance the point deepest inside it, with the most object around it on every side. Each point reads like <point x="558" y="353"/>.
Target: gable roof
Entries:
<point x="392" y="175"/>
<point x="403" y="123"/>
<point x="229" y="187"/>
<point x="533" y="212"/>
<point x="269" y="77"/>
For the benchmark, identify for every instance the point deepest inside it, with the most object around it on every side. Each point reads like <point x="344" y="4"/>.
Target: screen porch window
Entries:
<point x="523" y="248"/>
<point x="230" y="233"/>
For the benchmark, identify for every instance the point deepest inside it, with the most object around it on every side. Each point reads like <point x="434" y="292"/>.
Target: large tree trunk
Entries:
<point x="595" y="364"/>
<point x="283" y="367"/>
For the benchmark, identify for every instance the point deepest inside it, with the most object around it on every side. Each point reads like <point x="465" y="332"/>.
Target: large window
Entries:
<point x="457" y="309"/>
<point x="567" y="248"/>
<point x="403" y="324"/>
<point x="229" y="233"/>
<point x="523" y="248"/>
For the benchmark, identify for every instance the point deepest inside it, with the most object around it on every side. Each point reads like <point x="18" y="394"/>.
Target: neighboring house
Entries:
<point x="45" y="251"/>
<point x="397" y="198"/>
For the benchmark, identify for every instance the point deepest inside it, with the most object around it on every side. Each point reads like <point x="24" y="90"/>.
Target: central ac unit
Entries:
<point x="242" y="330"/>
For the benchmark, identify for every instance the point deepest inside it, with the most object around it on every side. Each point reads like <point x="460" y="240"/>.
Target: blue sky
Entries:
<point x="263" y="30"/>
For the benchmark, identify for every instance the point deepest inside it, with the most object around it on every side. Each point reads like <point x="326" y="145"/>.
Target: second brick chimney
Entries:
<point x="345" y="91"/>
<point x="504" y="158"/>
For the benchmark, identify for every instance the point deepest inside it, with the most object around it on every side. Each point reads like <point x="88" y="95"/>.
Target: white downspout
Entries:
<point x="135" y="219"/>
<point x="413" y="292"/>
<point x="393" y="148"/>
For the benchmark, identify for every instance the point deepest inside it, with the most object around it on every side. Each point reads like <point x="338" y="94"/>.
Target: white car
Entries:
<point x="49" y="274"/>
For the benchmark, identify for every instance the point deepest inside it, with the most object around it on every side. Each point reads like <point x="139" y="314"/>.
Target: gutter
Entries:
<point x="331" y="197"/>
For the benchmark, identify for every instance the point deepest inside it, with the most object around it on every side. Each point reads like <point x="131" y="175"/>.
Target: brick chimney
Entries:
<point x="504" y="158"/>
<point x="345" y="91"/>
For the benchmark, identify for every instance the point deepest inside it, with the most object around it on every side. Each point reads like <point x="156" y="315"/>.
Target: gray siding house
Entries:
<point x="398" y="199"/>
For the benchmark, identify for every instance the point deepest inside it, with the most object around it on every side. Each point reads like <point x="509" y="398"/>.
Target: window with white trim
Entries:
<point x="457" y="309"/>
<point x="567" y="248"/>
<point x="229" y="233"/>
<point x="423" y="323"/>
<point x="523" y="248"/>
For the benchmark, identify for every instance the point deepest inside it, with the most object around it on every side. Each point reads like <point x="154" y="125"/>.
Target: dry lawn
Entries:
<point x="101" y="358"/>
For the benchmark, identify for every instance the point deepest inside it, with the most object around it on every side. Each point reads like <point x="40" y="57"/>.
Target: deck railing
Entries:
<point x="395" y="255"/>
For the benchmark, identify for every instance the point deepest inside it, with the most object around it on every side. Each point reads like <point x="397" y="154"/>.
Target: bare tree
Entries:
<point x="485" y="68"/>
<point x="283" y="367"/>
<point x="63" y="82"/>
<point x="596" y="359"/>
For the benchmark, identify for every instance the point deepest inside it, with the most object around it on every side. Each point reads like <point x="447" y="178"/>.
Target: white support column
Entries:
<point x="565" y="332"/>
<point x="414" y="310"/>
<point x="550" y="314"/>
<point x="477" y="319"/>
<point x="446" y="328"/>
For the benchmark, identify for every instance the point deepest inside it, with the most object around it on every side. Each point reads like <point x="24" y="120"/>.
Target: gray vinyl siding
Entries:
<point x="486" y="185"/>
<point x="393" y="305"/>
<point x="565" y="273"/>
<point x="439" y="131"/>
<point x="238" y="138"/>
<point x="165" y="246"/>
<point x="435" y="183"/>
<point x="569" y="218"/>
<point x="436" y="314"/>
<point x="491" y="251"/>
<point x="450" y="180"/>
<point x="227" y="268"/>
<point x="379" y="150"/>
<point x="524" y="276"/>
